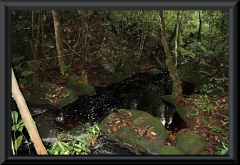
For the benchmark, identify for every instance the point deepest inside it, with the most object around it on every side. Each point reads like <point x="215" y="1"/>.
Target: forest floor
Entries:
<point x="201" y="122"/>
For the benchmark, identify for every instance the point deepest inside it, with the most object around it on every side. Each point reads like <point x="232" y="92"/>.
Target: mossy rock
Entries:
<point x="170" y="150"/>
<point x="117" y="77"/>
<point x="190" y="143"/>
<point x="184" y="112"/>
<point x="136" y="128"/>
<point x="77" y="84"/>
<point x="169" y="99"/>
<point x="205" y="153"/>
<point x="49" y="95"/>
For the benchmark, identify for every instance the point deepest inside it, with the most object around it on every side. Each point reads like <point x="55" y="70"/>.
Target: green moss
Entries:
<point x="77" y="84"/>
<point x="128" y="134"/>
<point x="70" y="97"/>
<point x="170" y="150"/>
<point x="169" y="99"/>
<point x="189" y="143"/>
<point x="184" y="112"/>
<point x="42" y="95"/>
<point x="205" y="153"/>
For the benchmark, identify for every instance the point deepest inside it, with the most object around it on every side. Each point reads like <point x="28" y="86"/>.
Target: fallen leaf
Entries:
<point x="153" y="133"/>
<point x="197" y="119"/>
<point x="122" y="134"/>
<point x="114" y="128"/>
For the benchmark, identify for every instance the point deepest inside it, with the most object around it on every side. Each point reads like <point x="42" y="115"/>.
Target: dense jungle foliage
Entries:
<point x="54" y="45"/>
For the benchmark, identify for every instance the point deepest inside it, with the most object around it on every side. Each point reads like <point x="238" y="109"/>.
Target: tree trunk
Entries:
<point x="27" y="118"/>
<point x="176" y="38"/>
<point x="177" y="89"/>
<point x="43" y="34"/>
<point x="211" y="26"/>
<point x="37" y="39"/>
<point x="59" y="40"/>
<point x="200" y="27"/>
<point x="84" y="46"/>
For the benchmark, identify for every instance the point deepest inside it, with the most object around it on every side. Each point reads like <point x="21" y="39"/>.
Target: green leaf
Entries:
<point x="17" y="142"/>
<point x="56" y="152"/>
<point x="15" y="127"/>
<point x="222" y="152"/>
<point x="15" y="116"/>
<point x="21" y="123"/>
<point x="78" y="145"/>
<point x="20" y="128"/>
<point x="77" y="150"/>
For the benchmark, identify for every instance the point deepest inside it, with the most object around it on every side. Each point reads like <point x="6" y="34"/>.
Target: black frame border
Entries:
<point x="5" y="76"/>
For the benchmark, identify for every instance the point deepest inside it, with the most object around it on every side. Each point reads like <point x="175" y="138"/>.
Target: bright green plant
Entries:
<point x="223" y="149"/>
<point x="205" y="104"/>
<point x="218" y="129"/>
<point x="17" y="126"/>
<point x="225" y="122"/>
<point x="214" y="85"/>
<point x="70" y="145"/>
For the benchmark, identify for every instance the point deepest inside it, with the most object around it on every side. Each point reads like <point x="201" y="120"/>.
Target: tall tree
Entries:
<point x="200" y="26"/>
<point x="177" y="89"/>
<point x="43" y="34"/>
<point x="84" y="45"/>
<point x="176" y="38"/>
<point x="27" y="118"/>
<point x="59" y="40"/>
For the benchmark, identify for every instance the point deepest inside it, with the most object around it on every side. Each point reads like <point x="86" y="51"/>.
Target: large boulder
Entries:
<point x="190" y="143"/>
<point x="170" y="150"/>
<point x="77" y="84"/>
<point x="185" y="112"/>
<point x="137" y="128"/>
<point x="49" y="95"/>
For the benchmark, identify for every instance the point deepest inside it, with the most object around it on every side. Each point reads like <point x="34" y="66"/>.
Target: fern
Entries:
<point x="223" y="150"/>
<point x="27" y="73"/>
<point x="218" y="129"/>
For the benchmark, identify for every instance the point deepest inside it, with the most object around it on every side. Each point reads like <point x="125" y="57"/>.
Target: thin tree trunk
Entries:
<point x="84" y="46"/>
<point x="59" y="40"/>
<point x="43" y="38"/>
<point x="176" y="38"/>
<point x="177" y="89"/>
<point x="37" y="39"/>
<point x="200" y="27"/>
<point x="33" y="34"/>
<point x="210" y="26"/>
<point x="27" y="118"/>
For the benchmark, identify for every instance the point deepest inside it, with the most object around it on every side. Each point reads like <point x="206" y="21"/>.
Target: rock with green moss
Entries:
<point x="205" y="153"/>
<point x="77" y="84"/>
<point x="49" y="95"/>
<point x="185" y="112"/>
<point x="169" y="98"/>
<point x="190" y="143"/>
<point x="136" y="128"/>
<point x="170" y="150"/>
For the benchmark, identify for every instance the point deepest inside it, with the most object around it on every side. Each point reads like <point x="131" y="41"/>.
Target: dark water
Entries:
<point x="141" y="91"/>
